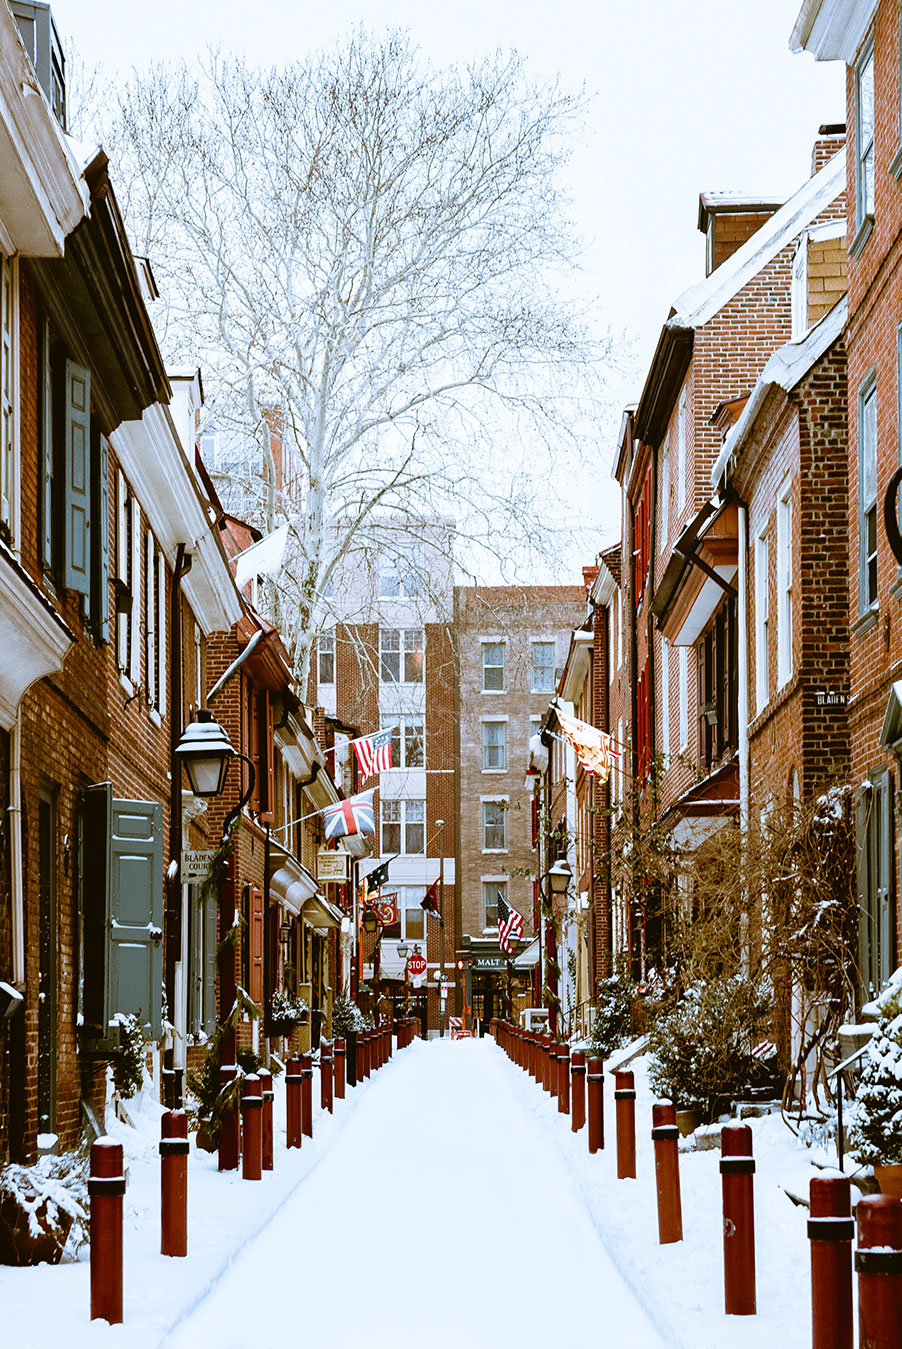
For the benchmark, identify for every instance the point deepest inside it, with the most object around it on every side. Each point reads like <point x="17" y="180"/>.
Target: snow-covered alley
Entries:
<point x="446" y="1201"/>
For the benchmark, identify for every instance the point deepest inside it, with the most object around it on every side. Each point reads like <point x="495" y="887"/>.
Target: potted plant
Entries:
<point x="286" y="1013"/>
<point x="875" y="1132"/>
<point x="40" y="1206"/>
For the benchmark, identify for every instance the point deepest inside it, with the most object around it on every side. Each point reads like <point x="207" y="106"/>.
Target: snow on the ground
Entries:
<point x="446" y="1201"/>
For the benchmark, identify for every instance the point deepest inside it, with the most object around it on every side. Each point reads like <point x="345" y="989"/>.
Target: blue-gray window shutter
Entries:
<point x="103" y="550"/>
<point x="46" y="450"/>
<point x="134" y="980"/>
<point x="78" y="479"/>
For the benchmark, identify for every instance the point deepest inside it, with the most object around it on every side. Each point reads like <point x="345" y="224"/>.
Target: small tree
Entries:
<point x="875" y="1133"/>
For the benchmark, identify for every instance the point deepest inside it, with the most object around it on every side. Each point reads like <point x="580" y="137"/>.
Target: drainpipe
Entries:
<point x="16" y="866"/>
<point x="742" y="659"/>
<point x="174" y="1058"/>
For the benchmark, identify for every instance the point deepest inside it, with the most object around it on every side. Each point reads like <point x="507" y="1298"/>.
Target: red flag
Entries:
<point x="430" y="902"/>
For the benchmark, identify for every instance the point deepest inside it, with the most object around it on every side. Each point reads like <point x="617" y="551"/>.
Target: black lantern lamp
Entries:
<point x="370" y="920"/>
<point x="560" y="874"/>
<point x="206" y="752"/>
<point x="402" y="950"/>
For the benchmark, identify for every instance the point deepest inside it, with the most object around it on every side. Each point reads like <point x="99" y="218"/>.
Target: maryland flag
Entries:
<point x="592" y="747"/>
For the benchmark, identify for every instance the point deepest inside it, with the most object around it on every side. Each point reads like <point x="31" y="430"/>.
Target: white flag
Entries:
<point x="263" y="558"/>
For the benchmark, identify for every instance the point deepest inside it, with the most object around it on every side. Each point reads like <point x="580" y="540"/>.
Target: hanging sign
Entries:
<point x="331" y="865"/>
<point x="196" y="863"/>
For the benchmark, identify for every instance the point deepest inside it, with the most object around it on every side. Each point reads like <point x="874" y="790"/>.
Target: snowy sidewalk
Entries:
<point x="443" y="1216"/>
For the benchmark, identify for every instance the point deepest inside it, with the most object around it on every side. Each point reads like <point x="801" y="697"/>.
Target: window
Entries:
<point x="128" y="582"/>
<point x="784" y="584"/>
<point x="718" y="688"/>
<point x="681" y="451"/>
<point x="401" y="655"/>
<point x="643" y="724"/>
<point x="325" y="654"/>
<point x="642" y="538"/>
<point x="407" y="741"/>
<point x="7" y="396"/>
<point x="493" y="667"/>
<point x="876" y="853"/>
<point x="491" y="889"/>
<point x="494" y="826"/>
<point x="543" y="667"/>
<point x="867" y="496"/>
<point x="494" y="746"/>
<point x="401" y="578"/>
<point x="403" y="826"/>
<point x="762" y="691"/>
<point x="155" y="627"/>
<point x="683" y="694"/>
<point x="864" y="135"/>
<point x="665" y="700"/>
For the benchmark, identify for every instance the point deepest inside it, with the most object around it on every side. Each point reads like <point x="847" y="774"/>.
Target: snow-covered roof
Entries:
<point x="832" y="29"/>
<point x="788" y="365"/>
<point x="702" y="301"/>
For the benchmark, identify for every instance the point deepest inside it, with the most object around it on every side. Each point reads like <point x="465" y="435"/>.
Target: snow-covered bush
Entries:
<point x="287" y="1012"/>
<point x="43" y="1205"/>
<point x="611" y="1024"/>
<point x="875" y="1133"/>
<point x="128" y="1064"/>
<point x="702" y="1045"/>
<point x="347" y="1017"/>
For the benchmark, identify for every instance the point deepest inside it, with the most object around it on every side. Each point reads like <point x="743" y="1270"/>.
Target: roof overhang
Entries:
<point x="44" y="197"/>
<point x="663" y="382"/>
<point x="157" y="467"/>
<point x="832" y="30"/>
<point x="705" y="807"/>
<point x="35" y="639"/>
<point x="576" y="668"/>
<point x="689" y="595"/>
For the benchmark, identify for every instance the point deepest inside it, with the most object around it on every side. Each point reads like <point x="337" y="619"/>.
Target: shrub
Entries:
<point x="611" y="1026"/>
<point x="875" y="1133"/>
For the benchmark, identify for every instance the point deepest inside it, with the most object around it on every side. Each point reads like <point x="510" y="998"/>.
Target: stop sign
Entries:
<point x="416" y="965"/>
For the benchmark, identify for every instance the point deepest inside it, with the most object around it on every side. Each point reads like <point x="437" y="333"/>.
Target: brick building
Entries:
<point x="511" y="645"/>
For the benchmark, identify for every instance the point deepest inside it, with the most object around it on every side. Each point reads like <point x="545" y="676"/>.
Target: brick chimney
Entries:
<point x="831" y="137"/>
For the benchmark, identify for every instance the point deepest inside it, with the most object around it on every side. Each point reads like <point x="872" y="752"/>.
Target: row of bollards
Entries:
<point x="246" y="1138"/>
<point x="831" y="1227"/>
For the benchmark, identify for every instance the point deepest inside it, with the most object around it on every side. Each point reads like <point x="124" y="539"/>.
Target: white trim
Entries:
<point x="832" y="30"/>
<point x="785" y="618"/>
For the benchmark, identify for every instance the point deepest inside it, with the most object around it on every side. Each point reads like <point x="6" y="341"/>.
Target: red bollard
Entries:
<point x="173" y="1183"/>
<point x="595" y="1101"/>
<point x="625" y="1110"/>
<point x="293" y="1083"/>
<point x="325" y="1077"/>
<point x="338" y="1069"/>
<point x="831" y="1228"/>
<point x="547" y="1061"/>
<point x="265" y="1077"/>
<point x="363" y="1056"/>
<point x="879" y="1272"/>
<point x="578" y="1090"/>
<point x="307" y="1095"/>
<point x="666" y="1138"/>
<point x="563" y="1080"/>
<point x="106" y="1186"/>
<point x="737" y="1167"/>
<point x="252" y="1122"/>
<point x="230" y="1124"/>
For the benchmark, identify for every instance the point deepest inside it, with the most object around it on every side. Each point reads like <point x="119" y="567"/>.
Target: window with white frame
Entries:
<point x="784" y="583"/>
<point x="665" y="491"/>
<point x="864" y="134"/>
<point x="494" y="826"/>
<point x="403" y="826"/>
<point x="543" y="667"/>
<point x="867" y="495"/>
<point x="683" y="694"/>
<point x="492" y="887"/>
<point x="408" y="746"/>
<point x="494" y="746"/>
<point x="665" y="700"/>
<point x="8" y="384"/>
<point x="618" y="763"/>
<point x="493" y="667"/>
<point x="401" y="655"/>
<point x="325" y="656"/>
<point x="762" y="610"/>
<point x="155" y="626"/>
<point x="681" y="451"/>
<point x="401" y="577"/>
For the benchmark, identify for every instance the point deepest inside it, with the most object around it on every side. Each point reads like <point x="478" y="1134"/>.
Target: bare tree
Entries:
<point x="367" y="256"/>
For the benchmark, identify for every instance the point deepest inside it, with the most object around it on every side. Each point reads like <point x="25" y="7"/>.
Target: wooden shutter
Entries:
<point x="256" y="935"/>
<point x="135" y="973"/>
<point x="46" y="394"/>
<point x="102" y="541"/>
<point x="94" y="871"/>
<point x="77" y="571"/>
<point x="265" y="756"/>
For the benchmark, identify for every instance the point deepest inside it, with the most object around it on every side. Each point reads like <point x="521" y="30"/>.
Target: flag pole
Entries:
<point x="441" y="914"/>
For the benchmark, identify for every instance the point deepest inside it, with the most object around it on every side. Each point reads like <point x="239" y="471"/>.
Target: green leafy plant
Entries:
<point x="611" y="1023"/>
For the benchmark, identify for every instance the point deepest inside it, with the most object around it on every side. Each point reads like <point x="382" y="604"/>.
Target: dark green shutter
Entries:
<point x="78" y="480"/>
<point x="46" y="392"/>
<point x="103" y="542"/>
<point x="135" y="970"/>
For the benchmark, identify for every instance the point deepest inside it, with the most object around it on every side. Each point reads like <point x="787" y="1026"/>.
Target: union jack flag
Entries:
<point x="510" y="923"/>
<point x="373" y="753"/>
<point x="353" y="816"/>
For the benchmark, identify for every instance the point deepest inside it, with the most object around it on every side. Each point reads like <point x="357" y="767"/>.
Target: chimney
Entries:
<point x="831" y="137"/>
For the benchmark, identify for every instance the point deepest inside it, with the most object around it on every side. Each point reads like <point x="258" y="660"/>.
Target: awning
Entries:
<point x="319" y="913"/>
<point x="529" y="956"/>
<point x="290" y="882"/>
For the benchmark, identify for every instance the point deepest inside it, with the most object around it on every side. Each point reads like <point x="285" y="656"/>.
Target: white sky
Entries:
<point x="685" y="96"/>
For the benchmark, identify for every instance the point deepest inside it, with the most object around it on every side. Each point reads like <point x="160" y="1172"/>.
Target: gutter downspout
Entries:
<point x="15" y="831"/>
<point x="742" y="658"/>
<point x="175" y="1057"/>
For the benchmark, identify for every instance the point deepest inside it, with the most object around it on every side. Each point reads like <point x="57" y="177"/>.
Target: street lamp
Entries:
<point x="370" y="921"/>
<point x="206" y="751"/>
<point x="559" y="876"/>
<point x="402" y="950"/>
<point x="554" y="882"/>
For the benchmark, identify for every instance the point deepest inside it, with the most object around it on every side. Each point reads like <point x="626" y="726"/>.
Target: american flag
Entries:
<point x="509" y="923"/>
<point x="353" y="816"/>
<point x="373" y="753"/>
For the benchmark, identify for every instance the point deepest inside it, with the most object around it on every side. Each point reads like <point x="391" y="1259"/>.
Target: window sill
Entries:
<point x="867" y="621"/>
<point x="493" y="691"/>
<point x="865" y="229"/>
<point x="895" y="166"/>
<point x="495" y="850"/>
<point x="493" y="770"/>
